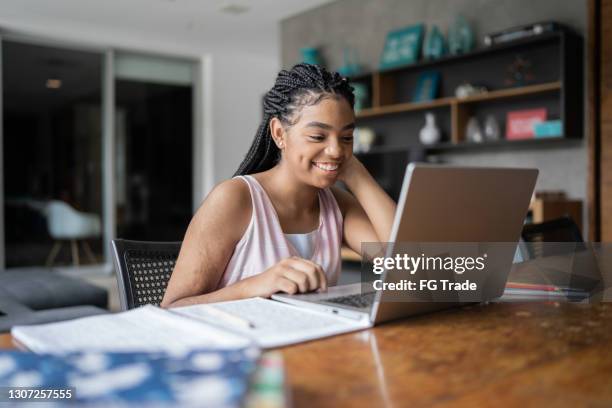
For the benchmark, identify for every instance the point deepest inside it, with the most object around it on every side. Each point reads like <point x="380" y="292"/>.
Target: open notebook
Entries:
<point x="179" y="330"/>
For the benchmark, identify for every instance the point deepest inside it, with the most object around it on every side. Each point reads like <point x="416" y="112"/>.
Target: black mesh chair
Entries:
<point x="143" y="270"/>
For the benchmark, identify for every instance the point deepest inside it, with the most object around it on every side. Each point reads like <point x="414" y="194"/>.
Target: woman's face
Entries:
<point x="317" y="146"/>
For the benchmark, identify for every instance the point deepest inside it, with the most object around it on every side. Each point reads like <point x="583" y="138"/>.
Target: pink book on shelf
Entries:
<point x="519" y="124"/>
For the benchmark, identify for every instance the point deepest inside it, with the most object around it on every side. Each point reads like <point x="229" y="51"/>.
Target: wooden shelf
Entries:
<point x="503" y="144"/>
<point x="512" y="92"/>
<point x="448" y="102"/>
<point x="404" y="107"/>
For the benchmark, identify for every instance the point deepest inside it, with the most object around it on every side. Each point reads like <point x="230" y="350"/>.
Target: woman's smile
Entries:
<point x="327" y="167"/>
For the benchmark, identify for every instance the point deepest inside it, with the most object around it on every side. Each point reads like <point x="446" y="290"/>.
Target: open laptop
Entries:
<point x="446" y="204"/>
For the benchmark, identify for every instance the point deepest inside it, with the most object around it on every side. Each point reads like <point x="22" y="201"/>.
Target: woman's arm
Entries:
<point x="209" y="243"/>
<point x="210" y="239"/>
<point x="369" y="211"/>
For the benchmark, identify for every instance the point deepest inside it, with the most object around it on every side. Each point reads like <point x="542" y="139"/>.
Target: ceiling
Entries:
<point x="196" y="25"/>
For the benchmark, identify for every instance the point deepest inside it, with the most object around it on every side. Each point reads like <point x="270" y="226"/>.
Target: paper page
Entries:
<point x="148" y="328"/>
<point x="276" y="323"/>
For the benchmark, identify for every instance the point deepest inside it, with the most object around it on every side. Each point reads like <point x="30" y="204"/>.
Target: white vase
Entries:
<point x="429" y="134"/>
<point x="492" y="131"/>
<point x="473" y="133"/>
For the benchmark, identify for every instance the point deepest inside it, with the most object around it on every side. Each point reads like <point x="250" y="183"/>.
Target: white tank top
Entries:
<point x="303" y="243"/>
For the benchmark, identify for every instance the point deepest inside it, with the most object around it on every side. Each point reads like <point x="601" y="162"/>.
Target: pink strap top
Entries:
<point x="264" y="244"/>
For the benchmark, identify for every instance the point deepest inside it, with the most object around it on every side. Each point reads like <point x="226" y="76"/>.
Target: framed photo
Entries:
<point x="427" y="87"/>
<point x="520" y="124"/>
<point x="402" y="47"/>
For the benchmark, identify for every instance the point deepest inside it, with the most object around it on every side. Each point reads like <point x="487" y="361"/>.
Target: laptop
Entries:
<point x="439" y="204"/>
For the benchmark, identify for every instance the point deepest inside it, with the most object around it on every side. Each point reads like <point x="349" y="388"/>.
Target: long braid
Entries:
<point x="302" y="85"/>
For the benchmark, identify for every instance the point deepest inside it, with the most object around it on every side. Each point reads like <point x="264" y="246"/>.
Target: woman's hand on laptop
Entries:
<point x="291" y="275"/>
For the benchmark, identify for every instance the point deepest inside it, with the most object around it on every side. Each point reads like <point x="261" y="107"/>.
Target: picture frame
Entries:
<point x="402" y="47"/>
<point x="426" y="87"/>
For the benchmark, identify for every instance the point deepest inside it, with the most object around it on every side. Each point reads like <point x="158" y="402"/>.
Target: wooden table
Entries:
<point x="504" y="354"/>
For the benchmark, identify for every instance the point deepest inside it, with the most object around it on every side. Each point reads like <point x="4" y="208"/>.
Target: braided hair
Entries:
<point x="302" y="85"/>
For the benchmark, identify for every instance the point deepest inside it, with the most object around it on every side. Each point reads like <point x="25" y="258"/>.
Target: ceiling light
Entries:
<point x="54" y="83"/>
<point x="233" y="8"/>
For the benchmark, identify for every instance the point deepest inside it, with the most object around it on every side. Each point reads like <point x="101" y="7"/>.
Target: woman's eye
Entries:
<point x="347" y="139"/>
<point x="317" y="138"/>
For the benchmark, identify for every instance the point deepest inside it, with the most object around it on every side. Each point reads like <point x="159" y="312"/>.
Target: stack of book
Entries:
<point x="517" y="291"/>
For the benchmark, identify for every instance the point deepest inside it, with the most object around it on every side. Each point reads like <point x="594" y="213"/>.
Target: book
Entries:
<point x="199" y="378"/>
<point x="519" y="124"/>
<point x="518" y="291"/>
<point x="183" y="329"/>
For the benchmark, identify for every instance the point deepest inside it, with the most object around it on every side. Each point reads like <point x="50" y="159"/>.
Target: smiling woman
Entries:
<point x="278" y="225"/>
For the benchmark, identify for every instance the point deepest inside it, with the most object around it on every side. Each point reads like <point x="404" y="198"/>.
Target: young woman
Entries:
<point x="279" y="224"/>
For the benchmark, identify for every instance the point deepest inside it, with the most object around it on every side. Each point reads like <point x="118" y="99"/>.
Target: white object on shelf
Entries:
<point x="429" y="134"/>
<point x="473" y="133"/>
<point x="364" y="139"/>
<point x="492" y="132"/>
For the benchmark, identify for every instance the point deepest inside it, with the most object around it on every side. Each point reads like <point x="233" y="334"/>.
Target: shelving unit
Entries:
<point x="556" y="85"/>
<point x="460" y="106"/>
<point x="554" y="82"/>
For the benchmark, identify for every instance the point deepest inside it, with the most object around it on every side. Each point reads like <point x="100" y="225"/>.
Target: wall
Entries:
<point x="240" y="83"/>
<point x="363" y="25"/>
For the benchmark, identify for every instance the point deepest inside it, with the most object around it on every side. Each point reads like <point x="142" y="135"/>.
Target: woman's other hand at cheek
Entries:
<point x="352" y="170"/>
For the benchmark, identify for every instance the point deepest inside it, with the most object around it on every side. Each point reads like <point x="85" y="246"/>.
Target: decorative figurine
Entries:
<point x="519" y="73"/>
<point x="350" y="63"/>
<point x="460" y="37"/>
<point x="434" y="46"/>
<point x="429" y="134"/>
<point x="466" y="90"/>
<point x="473" y="133"/>
<point x="311" y="55"/>
<point x="361" y="96"/>
<point x="364" y="139"/>
<point x="492" y="131"/>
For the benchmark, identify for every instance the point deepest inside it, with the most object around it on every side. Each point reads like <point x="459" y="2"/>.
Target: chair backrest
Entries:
<point x="562" y="229"/>
<point x="64" y="222"/>
<point x="143" y="270"/>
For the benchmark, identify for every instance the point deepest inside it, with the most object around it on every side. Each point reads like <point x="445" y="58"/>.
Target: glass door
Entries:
<point x="153" y="146"/>
<point x="51" y="147"/>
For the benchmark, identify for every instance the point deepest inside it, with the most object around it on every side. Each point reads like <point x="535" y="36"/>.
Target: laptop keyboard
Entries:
<point x="359" y="300"/>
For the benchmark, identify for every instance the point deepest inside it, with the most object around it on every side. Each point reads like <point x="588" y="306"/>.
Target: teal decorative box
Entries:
<point x="549" y="128"/>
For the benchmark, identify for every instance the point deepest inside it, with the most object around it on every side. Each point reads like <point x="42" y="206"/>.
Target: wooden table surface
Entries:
<point x="503" y="354"/>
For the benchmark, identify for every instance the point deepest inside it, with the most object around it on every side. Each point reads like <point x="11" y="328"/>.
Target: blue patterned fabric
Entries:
<point x="200" y="378"/>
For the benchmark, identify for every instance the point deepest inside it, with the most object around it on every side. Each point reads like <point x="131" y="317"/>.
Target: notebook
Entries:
<point x="180" y="330"/>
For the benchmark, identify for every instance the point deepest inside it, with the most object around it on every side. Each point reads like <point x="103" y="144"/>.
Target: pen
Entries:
<point x="230" y="318"/>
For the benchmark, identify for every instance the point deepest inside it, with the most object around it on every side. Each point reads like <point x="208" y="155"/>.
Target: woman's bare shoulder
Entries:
<point x="227" y="205"/>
